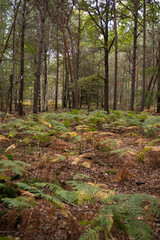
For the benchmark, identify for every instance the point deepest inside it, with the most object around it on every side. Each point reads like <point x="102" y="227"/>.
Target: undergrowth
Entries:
<point x="132" y="213"/>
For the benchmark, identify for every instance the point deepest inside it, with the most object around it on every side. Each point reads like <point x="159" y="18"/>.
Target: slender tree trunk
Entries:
<point x="74" y="63"/>
<point x="70" y="68"/>
<point x="154" y="94"/>
<point x="116" y="56"/>
<point x="144" y="56"/>
<point x="11" y="93"/>
<point x="42" y="15"/>
<point x="63" y="82"/>
<point x="158" y="83"/>
<point x="137" y="80"/>
<point x="134" y="55"/>
<point x="89" y="96"/>
<point x="45" y="80"/>
<point x="22" y="59"/>
<point x="57" y="76"/>
<point x="106" y="52"/>
<point x="13" y="61"/>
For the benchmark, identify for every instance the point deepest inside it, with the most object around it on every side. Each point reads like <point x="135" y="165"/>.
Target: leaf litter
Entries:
<point x="108" y="157"/>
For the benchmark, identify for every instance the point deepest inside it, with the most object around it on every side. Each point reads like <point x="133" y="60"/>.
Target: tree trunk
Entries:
<point x="106" y="52"/>
<point x="45" y="81"/>
<point x="116" y="56"/>
<point x="158" y="83"/>
<point x="134" y="55"/>
<point x="13" y="61"/>
<point x="22" y="59"/>
<point x="144" y="56"/>
<point x="57" y="75"/>
<point x="64" y="82"/>
<point x="74" y="63"/>
<point x="42" y="14"/>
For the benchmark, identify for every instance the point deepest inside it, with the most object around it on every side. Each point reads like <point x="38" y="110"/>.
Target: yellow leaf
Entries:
<point x="86" y="164"/>
<point x="55" y="160"/>
<point x="47" y="123"/>
<point x="76" y="160"/>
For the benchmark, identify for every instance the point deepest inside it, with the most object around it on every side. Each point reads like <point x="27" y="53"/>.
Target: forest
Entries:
<point x="79" y="119"/>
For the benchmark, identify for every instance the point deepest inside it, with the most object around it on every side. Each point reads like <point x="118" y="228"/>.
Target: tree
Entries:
<point x="144" y="55"/>
<point x="42" y="10"/>
<point x="99" y="11"/>
<point x="158" y="83"/>
<point x="135" y="3"/>
<point x="116" y="55"/>
<point x="21" y="89"/>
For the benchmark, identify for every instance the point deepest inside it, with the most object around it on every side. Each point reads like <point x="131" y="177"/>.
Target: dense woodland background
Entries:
<point x="75" y="54"/>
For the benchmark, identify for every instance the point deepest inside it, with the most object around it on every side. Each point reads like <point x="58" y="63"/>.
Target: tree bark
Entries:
<point x="42" y="17"/>
<point x="116" y="56"/>
<point x="158" y="83"/>
<point x="106" y="53"/>
<point x="134" y="55"/>
<point x="57" y="75"/>
<point x="144" y="56"/>
<point x="13" y="62"/>
<point x="74" y="63"/>
<point x="22" y="59"/>
<point x="45" y="81"/>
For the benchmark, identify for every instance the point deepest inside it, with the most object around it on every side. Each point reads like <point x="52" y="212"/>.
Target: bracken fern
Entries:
<point x="131" y="213"/>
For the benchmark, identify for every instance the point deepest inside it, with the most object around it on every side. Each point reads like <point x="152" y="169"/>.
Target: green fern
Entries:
<point x="39" y="193"/>
<point x="17" y="167"/>
<point x="91" y="234"/>
<point x="121" y="151"/>
<point x="128" y="212"/>
<point x="19" y="202"/>
<point x="151" y="125"/>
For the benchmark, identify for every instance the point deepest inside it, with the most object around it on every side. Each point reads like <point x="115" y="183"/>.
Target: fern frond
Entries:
<point x="19" y="202"/>
<point x="17" y="167"/>
<point x="91" y="234"/>
<point x="121" y="151"/>
<point x="128" y="212"/>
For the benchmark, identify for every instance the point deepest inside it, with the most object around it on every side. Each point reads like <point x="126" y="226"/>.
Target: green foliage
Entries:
<point x="154" y="142"/>
<point x="128" y="212"/>
<point x="19" y="202"/>
<point x="151" y="125"/>
<point x="141" y="156"/>
<point x="121" y="151"/>
<point x="17" y="167"/>
<point x="91" y="234"/>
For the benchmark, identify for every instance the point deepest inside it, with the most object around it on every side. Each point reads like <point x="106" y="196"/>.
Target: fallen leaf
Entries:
<point x="13" y="146"/>
<point x="3" y="138"/>
<point x="26" y="193"/>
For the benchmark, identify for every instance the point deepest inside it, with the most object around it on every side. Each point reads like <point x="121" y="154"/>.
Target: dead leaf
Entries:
<point x="13" y="146"/>
<point x="86" y="164"/>
<point x="26" y="193"/>
<point x="76" y="160"/>
<point x="3" y="138"/>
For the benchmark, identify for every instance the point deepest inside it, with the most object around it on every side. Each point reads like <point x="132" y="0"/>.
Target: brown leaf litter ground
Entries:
<point x="136" y="171"/>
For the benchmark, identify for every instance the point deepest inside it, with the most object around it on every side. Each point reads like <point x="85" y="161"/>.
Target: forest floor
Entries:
<point x="123" y="157"/>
